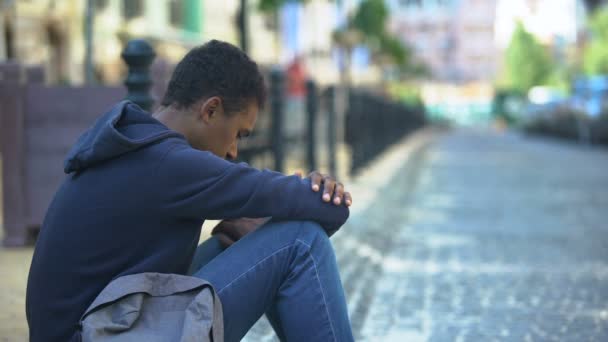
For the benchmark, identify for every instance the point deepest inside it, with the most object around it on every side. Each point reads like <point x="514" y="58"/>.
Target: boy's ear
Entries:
<point x="211" y="109"/>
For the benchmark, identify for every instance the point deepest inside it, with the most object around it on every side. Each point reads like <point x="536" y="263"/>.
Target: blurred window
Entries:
<point x="425" y="27"/>
<point x="100" y="5"/>
<point x="176" y="13"/>
<point x="132" y="8"/>
<point x="534" y="6"/>
<point x="410" y="3"/>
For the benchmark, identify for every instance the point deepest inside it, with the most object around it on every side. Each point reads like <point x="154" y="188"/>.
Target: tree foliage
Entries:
<point x="527" y="62"/>
<point x="370" y="20"/>
<point x="270" y="6"/>
<point x="395" y="49"/>
<point x="595" y="60"/>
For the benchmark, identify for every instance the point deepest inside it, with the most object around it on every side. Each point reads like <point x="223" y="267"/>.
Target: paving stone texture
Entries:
<point x="478" y="236"/>
<point x="481" y="237"/>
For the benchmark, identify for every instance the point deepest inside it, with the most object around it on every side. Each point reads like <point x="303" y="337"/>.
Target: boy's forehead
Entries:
<point x="251" y="111"/>
<point x="247" y="118"/>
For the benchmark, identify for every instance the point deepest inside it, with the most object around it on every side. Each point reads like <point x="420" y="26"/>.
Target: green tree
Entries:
<point x="370" y="20"/>
<point x="274" y="5"/>
<point x="391" y="46"/>
<point x="595" y="60"/>
<point x="527" y="63"/>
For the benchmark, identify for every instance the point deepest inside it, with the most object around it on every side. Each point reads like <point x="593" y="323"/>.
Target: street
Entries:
<point x="471" y="135"/>
<point x="480" y="237"/>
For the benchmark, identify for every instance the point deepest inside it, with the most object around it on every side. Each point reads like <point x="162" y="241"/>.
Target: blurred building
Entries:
<point x="475" y="48"/>
<point x="551" y="21"/>
<point x="6" y="36"/>
<point x="453" y="38"/>
<point x="51" y="32"/>
<point x="464" y="40"/>
<point x="557" y="24"/>
<point x="307" y="34"/>
<point x="219" y="22"/>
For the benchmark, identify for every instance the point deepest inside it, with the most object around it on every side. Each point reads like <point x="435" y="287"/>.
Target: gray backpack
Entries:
<point x="154" y="307"/>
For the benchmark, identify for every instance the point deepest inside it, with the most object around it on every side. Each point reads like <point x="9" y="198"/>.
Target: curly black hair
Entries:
<point x="216" y="69"/>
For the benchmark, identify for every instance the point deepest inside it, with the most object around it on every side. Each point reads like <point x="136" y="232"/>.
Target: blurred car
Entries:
<point x="542" y="103"/>
<point x="590" y="95"/>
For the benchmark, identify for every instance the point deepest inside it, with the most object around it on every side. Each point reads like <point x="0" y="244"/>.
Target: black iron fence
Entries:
<point x="33" y="124"/>
<point x="374" y="123"/>
<point x="287" y="133"/>
<point x="265" y="147"/>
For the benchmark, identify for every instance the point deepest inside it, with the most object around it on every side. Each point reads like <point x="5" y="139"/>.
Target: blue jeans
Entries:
<point x="287" y="270"/>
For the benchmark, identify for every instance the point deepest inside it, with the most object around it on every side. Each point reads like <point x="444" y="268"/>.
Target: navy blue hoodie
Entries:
<point x="134" y="199"/>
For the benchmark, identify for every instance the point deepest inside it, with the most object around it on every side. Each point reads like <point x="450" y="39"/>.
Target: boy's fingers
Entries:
<point x="329" y="185"/>
<point x="348" y="199"/>
<point x="333" y="191"/>
<point x="316" y="178"/>
<point x="338" y="194"/>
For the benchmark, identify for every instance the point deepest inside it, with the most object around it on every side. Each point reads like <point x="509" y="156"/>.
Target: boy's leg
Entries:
<point x="205" y="252"/>
<point x="287" y="269"/>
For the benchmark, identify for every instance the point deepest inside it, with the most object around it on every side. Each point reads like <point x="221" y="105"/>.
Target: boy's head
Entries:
<point x="221" y="90"/>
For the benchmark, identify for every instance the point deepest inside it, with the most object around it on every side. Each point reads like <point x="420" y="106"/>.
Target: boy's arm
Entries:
<point x="197" y="184"/>
<point x="231" y="230"/>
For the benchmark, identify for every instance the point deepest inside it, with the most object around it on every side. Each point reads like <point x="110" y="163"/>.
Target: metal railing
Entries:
<point x="374" y="123"/>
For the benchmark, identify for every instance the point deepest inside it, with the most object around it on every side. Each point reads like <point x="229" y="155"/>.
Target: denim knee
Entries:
<point x="307" y="233"/>
<point x="311" y="228"/>
<point x="312" y="234"/>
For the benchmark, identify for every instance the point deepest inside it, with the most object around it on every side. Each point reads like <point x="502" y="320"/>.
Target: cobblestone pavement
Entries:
<point x="14" y="266"/>
<point x="481" y="237"/>
<point x="478" y="237"/>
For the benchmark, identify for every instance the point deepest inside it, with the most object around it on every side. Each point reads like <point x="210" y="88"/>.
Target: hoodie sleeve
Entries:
<point x="196" y="184"/>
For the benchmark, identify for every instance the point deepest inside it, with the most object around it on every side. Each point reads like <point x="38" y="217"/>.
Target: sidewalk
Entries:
<point x="480" y="236"/>
<point x="14" y="267"/>
<point x="369" y="189"/>
<point x="14" y="263"/>
<point x="503" y="238"/>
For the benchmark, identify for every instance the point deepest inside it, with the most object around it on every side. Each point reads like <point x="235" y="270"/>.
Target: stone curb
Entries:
<point x="366" y="184"/>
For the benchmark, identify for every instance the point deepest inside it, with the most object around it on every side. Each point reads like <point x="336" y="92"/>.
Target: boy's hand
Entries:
<point x="230" y="231"/>
<point x="332" y="189"/>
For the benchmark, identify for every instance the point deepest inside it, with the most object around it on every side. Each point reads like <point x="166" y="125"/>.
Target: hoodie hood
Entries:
<point x="125" y="128"/>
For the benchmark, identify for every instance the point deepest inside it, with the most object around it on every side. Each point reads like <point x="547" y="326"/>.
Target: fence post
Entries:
<point x="138" y="55"/>
<point x="277" y="97"/>
<point x="34" y="75"/>
<point x="331" y="129"/>
<point x="11" y="72"/>
<point x="12" y="136"/>
<point x="312" y="108"/>
<point x="355" y="131"/>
